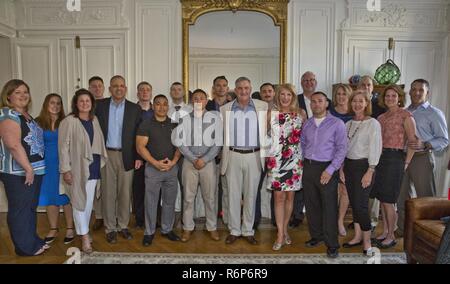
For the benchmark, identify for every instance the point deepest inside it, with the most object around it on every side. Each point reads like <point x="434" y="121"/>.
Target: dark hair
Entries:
<point x="75" y="111"/>
<point x="44" y="120"/>
<point x="160" y="96"/>
<point x="176" y="84"/>
<point x="144" y="83"/>
<point x="320" y="93"/>
<point x="256" y="95"/>
<point x="219" y="78"/>
<point x="95" y="78"/>
<point x="267" y="84"/>
<point x="421" y="81"/>
<point x="200" y="91"/>
<point x="116" y="77"/>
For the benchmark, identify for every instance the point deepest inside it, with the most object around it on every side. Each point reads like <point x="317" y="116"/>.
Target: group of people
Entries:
<point x="316" y="155"/>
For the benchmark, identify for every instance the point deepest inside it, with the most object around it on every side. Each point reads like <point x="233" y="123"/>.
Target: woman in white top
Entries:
<point x="364" y="151"/>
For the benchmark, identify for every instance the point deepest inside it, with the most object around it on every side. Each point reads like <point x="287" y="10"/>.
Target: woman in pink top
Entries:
<point x="397" y="128"/>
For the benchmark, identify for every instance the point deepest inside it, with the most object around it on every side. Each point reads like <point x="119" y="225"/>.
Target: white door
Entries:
<point x="95" y="57"/>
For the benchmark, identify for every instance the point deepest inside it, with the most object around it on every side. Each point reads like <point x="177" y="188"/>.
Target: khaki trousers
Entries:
<point x="243" y="174"/>
<point x="206" y="178"/>
<point x="116" y="184"/>
<point x="420" y="173"/>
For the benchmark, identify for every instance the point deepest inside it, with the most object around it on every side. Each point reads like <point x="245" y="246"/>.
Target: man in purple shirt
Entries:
<point x="324" y="146"/>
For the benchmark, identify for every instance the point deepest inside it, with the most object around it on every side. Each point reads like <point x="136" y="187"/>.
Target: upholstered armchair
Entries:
<point x="423" y="228"/>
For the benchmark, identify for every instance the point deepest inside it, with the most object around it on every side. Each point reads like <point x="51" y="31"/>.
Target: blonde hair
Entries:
<point x="293" y="106"/>
<point x="347" y="89"/>
<point x="366" y="96"/>
<point x="363" y="78"/>
<point x="9" y="88"/>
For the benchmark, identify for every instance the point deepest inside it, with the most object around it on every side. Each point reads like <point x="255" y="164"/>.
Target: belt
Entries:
<point x="392" y="150"/>
<point x="244" y="151"/>
<point x="422" y="152"/>
<point x="114" y="149"/>
<point x="312" y="162"/>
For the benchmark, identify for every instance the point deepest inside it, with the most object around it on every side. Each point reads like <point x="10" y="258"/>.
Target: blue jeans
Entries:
<point x="22" y="204"/>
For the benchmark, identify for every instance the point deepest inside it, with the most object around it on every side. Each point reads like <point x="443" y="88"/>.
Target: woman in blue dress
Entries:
<point x="52" y="113"/>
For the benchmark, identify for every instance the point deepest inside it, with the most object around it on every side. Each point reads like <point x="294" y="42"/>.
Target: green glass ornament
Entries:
<point x="387" y="73"/>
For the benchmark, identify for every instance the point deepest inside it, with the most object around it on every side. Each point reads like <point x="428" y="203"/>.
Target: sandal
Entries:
<point x="86" y="246"/>
<point x="287" y="240"/>
<point x="68" y="240"/>
<point x="49" y="240"/>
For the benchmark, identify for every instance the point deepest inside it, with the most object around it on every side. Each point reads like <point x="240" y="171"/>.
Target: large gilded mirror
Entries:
<point x="231" y="37"/>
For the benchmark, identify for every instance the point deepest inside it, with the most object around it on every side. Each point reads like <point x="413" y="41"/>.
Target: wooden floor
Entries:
<point x="199" y="243"/>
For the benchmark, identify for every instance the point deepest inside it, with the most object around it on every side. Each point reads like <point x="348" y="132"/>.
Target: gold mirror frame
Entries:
<point x="192" y="9"/>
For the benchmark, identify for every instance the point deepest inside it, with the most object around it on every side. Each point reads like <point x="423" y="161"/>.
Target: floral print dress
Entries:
<point x="284" y="165"/>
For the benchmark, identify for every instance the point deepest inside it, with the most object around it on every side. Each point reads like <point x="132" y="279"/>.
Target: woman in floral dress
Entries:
<point x="284" y="163"/>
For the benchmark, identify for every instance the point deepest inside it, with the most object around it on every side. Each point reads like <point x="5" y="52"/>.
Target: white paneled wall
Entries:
<point x="7" y="18"/>
<point x="5" y="60"/>
<point x="157" y="43"/>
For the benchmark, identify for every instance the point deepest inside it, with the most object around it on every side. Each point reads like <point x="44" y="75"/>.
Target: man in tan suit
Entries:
<point x="242" y="161"/>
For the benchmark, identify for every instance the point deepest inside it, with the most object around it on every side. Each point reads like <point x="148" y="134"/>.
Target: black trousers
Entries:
<point x="321" y="203"/>
<point x="299" y="203"/>
<point x="21" y="218"/>
<point x="139" y="195"/>
<point x="354" y="171"/>
<point x="258" y="201"/>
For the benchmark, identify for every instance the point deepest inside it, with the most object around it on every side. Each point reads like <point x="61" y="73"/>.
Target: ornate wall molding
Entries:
<point x="51" y="14"/>
<point x="399" y="15"/>
<point x="7" y="18"/>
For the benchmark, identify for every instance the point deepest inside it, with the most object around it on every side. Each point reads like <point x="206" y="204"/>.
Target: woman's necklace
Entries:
<point x="350" y="137"/>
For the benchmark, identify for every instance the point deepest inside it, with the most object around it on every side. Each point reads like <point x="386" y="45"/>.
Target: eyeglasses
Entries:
<point x="310" y="80"/>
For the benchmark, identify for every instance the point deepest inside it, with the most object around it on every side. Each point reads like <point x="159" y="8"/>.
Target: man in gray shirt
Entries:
<point x="199" y="151"/>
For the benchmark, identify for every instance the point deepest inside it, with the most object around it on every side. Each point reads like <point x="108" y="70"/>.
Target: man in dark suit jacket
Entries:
<point x="119" y="120"/>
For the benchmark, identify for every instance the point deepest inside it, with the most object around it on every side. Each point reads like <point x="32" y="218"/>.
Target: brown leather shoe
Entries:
<point x="214" y="235"/>
<point x="98" y="224"/>
<point x="186" y="236"/>
<point x="231" y="239"/>
<point x="251" y="240"/>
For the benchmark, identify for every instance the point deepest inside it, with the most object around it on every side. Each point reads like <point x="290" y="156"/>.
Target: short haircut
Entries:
<point x="116" y="77"/>
<point x="79" y="93"/>
<point x="307" y="73"/>
<point x="240" y="79"/>
<point x="219" y="78"/>
<point x="320" y="93"/>
<point x="398" y="90"/>
<point x="363" y="78"/>
<point x="366" y="95"/>
<point x="160" y="96"/>
<point x="347" y="90"/>
<point x="95" y="78"/>
<point x="199" y="91"/>
<point x="267" y="84"/>
<point x="421" y="81"/>
<point x="175" y="84"/>
<point x="144" y="83"/>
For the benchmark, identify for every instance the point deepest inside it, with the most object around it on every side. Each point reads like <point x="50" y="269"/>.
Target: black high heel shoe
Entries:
<point x="49" y="240"/>
<point x="68" y="240"/>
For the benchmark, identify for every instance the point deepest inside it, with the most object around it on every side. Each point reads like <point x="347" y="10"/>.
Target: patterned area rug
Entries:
<point x="169" y="258"/>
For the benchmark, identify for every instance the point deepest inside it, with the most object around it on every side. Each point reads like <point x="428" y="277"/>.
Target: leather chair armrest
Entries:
<point x="424" y="208"/>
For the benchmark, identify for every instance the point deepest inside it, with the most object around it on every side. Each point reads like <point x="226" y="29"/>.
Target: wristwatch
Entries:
<point x="427" y="146"/>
